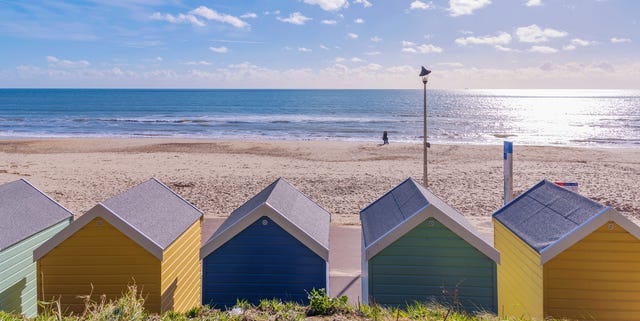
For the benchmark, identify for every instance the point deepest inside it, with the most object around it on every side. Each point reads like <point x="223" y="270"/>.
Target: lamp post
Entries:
<point x="424" y="73"/>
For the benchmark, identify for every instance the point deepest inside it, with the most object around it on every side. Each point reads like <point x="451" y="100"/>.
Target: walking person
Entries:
<point x="385" y="138"/>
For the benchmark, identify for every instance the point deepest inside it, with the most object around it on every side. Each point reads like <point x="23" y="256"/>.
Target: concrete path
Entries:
<point x="344" y="257"/>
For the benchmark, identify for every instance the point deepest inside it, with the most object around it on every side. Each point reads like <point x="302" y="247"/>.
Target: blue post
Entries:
<point x="508" y="171"/>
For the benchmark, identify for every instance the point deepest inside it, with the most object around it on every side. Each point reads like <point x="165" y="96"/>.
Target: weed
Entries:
<point x="321" y="304"/>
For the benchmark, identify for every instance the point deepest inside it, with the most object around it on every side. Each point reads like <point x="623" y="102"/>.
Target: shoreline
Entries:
<point x="343" y="177"/>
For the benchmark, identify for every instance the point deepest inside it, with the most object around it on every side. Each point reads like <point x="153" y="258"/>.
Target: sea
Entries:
<point x="599" y="118"/>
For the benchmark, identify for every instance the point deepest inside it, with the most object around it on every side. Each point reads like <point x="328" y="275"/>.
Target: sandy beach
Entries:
<point x="343" y="177"/>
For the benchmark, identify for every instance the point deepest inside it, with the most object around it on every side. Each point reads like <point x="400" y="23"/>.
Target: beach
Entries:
<point x="218" y="176"/>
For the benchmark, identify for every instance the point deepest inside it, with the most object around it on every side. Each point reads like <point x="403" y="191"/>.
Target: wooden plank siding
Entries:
<point x="18" y="290"/>
<point x="520" y="276"/>
<point x="98" y="259"/>
<point x="432" y="262"/>
<point x="597" y="278"/>
<point x="182" y="272"/>
<point x="261" y="262"/>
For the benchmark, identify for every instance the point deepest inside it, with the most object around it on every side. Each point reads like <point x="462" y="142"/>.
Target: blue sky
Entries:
<point x="320" y="43"/>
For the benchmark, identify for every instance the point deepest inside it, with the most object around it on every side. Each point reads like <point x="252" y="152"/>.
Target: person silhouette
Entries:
<point x="385" y="138"/>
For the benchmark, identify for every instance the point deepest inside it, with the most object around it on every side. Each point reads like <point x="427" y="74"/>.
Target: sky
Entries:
<point x="340" y="44"/>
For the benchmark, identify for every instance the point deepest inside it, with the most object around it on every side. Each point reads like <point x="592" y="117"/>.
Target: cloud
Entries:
<point x="329" y="22"/>
<point x="466" y="7"/>
<point x="543" y="49"/>
<point x="222" y="49"/>
<point x="303" y="49"/>
<point x="323" y="47"/>
<point x="576" y="42"/>
<point x="210" y="14"/>
<point x="339" y="59"/>
<point x="534" y="34"/>
<point x="198" y="63"/>
<point x="352" y="35"/>
<point x="620" y="40"/>
<point x="450" y="64"/>
<point x="179" y="19"/>
<point x="356" y="59"/>
<point x="502" y="48"/>
<point x="411" y="47"/>
<point x="295" y="18"/>
<point x="419" y="5"/>
<point x="364" y="3"/>
<point x="359" y="21"/>
<point x="533" y="3"/>
<point x="376" y="39"/>
<point x="250" y="15"/>
<point x="329" y="5"/>
<point x="372" y="53"/>
<point x="63" y="63"/>
<point x="502" y="38"/>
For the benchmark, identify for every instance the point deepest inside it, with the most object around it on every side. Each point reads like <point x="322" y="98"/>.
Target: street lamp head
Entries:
<point x="424" y="73"/>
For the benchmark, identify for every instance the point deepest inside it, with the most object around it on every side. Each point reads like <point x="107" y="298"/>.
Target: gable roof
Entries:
<point x="406" y="206"/>
<point x="25" y="211"/>
<point x="289" y="208"/>
<point x="150" y="213"/>
<point x="546" y="213"/>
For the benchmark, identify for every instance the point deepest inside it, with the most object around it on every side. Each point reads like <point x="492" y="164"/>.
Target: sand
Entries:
<point x="343" y="177"/>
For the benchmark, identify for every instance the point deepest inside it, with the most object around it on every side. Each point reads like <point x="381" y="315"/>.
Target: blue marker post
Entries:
<point x="508" y="172"/>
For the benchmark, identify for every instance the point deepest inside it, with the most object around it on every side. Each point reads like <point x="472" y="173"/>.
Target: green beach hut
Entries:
<point x="28" y="218"/>
<point x="415" y="247"/>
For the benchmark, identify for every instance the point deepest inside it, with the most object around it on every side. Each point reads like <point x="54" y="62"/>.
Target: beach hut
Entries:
<point x="566" y="256"/>
<point x="147" y="235"/>
<point x="28" y="217"/>
<point x="415" y="247"/>
<point x="276" y="245"/>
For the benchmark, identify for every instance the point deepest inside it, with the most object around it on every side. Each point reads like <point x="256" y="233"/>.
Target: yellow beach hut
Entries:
<point x="148" y="235"/>
<point x="566" y="256"/>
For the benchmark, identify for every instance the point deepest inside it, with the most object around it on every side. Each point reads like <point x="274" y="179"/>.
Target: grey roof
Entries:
<point x="25" y="211"/>
<point x="154" y="210"/>
<point x="292" y="205"/>
<point x="401" y="203"/>
<point x="546" y="213"/>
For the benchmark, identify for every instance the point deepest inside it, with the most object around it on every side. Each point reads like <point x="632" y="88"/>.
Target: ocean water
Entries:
<point x="600" y="118"/>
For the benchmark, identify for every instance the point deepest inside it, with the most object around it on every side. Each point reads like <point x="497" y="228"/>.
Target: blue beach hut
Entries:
<point x="276" y="245"/>
<point x="28" y="218"/>
<point x="418" y="248"/>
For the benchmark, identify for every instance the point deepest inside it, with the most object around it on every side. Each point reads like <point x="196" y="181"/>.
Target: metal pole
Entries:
<point x="424" y="136"/>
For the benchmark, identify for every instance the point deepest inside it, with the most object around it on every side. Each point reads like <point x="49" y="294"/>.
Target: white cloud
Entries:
<point x="323" y="47"/>
<point x="295" y="18"/>
<point x="222" y="49"/>
<point x="502" y="38"/>
<point x="411" y="47"/>
<point x="329" y="22"/>
<point x="533" y="3"/>
<point x="364" y="3"/>
<point x="372" y="53"/>
<point x="329" y="5"/>
<point x="376" y="39"/>
<point x="340" y="59"/>
<point x="303" y="49"/>
<point x="359" y="21"/>
<point x="543" y="49"/>
<point x="352" y="35"/>
<point x="576" y="42"/>
<point x="63" y="63"/>
<point x="210" y="14"/>
<point x="620" y="40"/>
<point x="198" y="63"/>
<point x="250" y="15"/>
<point x="356" y="59"/>
<point x="466" y="7"/>
<point x="268" y="13"/>
<point x="534" y="34"/>
<point x="502" y="48"/>
<point x="419" y="5"/>
<point x="181" y="18"/>
<point x="450" y="64"/>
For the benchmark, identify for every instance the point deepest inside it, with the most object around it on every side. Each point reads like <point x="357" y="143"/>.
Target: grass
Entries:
<point x="321" y="307"/>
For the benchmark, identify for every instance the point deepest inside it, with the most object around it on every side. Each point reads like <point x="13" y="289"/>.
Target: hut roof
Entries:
<point x="291" y="209"/>
<point x="545" y="213"/>
<point x="406" y="206"/>
<point x="150" y="213"/>
<point x="25" y="211"/>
